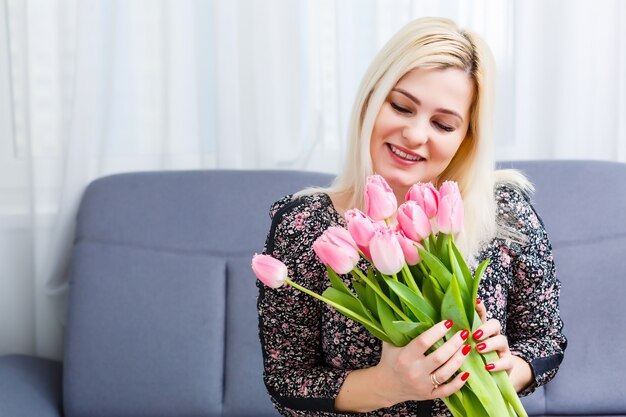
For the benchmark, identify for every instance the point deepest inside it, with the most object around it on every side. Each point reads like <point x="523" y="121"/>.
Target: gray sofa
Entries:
<point x="162" y="318"/>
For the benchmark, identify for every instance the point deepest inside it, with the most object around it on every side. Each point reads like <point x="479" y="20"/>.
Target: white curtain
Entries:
<point x="93" y="87"/>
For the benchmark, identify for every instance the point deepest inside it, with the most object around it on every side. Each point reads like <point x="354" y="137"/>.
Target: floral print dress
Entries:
<point x="309" y="348"/>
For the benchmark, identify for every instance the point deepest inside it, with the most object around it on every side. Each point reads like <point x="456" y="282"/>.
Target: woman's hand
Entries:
<point x="409" y="373"/>
<point x="491" y="340"/>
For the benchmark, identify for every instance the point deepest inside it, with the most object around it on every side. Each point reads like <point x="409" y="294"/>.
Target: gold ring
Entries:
<point x="434" y="381"/>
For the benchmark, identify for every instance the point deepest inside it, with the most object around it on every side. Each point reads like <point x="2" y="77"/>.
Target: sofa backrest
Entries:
<point x="583" y="206"/>
<point x="163" y="302"/>
<point x="162" y="315"/>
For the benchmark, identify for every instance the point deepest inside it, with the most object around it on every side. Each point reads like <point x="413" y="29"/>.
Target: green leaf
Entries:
<point x="505" y="386"/>
<point x="366" y="296"/>
<point x="484" y="386"/>
<point x="351" y="308"/>
<point x="477" y="278"/>
<point x="442" y="245"/>
<point x="422" y="309"/>
<point x="471" y="403"/>
<point x="433" y="293"/>
<point x="466" y="273"/>
<point x="386" y="320"/>
<point x="336" y="282"/>
<point x="452" y="306"/>
<point x="348" y="301"/>
<point x="411" y="329"/>
<point x="455" y="404"/>
<point x="437" y="269"/>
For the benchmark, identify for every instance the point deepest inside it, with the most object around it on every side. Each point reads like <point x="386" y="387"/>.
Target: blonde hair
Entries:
<point x="431" y="43"/>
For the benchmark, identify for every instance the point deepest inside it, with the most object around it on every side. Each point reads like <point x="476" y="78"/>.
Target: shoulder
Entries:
<point x="301" y="220"/>
<point x="288" y="207"/>
<point x="516" y="218"/>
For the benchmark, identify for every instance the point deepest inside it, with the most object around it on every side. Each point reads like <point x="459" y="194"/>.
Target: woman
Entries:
<point x="422" y="114"/>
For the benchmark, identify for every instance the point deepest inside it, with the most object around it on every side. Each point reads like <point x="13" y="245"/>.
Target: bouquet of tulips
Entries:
<point x="415" y="278"/>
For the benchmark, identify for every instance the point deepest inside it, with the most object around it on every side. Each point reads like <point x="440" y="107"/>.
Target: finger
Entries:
<point x="448" y="369"/>
<point x="481" y="310"/>
<point x="445" y="352"/>
<point x="489" y="328"/>
<point x="505" y="363"/>
<point x="451" y="387"/>
<point x="421" y="344"/>
<point x="498" y="344"/>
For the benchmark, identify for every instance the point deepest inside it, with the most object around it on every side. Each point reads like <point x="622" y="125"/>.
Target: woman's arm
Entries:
<point x="534" y="325"/>
<point x="289" y="321"/>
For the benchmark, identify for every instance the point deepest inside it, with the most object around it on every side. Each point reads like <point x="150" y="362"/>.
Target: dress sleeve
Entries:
<point x="295" y="373"/>
<point x="534" y="325"/>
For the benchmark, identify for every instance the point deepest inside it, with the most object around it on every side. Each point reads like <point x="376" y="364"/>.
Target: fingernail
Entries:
<point x="465" y="376"/>
<point x="480" y="347"/>
<point x="478" y="301"/>
<point x="464" y="334"/>
<point x="490" y="366"/>
<point x="449" y="324"/>
<point x="477" y="334"/>
<point x="466" y="350"/>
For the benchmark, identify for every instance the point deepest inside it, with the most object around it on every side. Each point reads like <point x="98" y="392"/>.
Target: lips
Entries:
<point x="404" y="154"/>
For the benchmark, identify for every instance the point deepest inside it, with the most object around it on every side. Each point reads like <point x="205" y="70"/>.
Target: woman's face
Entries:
<point x="420" y="126"/>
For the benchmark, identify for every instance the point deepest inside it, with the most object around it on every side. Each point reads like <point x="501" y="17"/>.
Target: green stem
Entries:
<point x="408" y="278"/>
<point x="339" y="307"/>
<point x="421" y="265"/>
<point x="382" y="295"/>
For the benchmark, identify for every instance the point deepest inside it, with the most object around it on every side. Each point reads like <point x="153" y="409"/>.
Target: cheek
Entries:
<point x="446" y="149"/>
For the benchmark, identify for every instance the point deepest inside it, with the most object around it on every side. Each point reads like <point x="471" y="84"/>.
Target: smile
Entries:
<point x="404" y="155"/>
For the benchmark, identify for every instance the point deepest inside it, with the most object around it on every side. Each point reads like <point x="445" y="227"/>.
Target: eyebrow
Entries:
<point x="419" y="103"/>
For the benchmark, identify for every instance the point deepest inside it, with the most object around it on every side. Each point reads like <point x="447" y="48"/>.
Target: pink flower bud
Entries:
<point x="426" y="196"/>
<point x="360" y="226"/>
<point x="413" y="221"/>
<point x="409" y="248"/>
<point x="337" y="249"/>
<point x="269" y="270"/>
<point x="451" y="211"/>
<point x="380" y="201"/>
<point x="386" y="251"/>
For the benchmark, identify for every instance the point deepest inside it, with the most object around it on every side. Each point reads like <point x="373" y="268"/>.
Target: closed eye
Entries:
<point x="444" y="127"/>
<point x="399" y="108"/>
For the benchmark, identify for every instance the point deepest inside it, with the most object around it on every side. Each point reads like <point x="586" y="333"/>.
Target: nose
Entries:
<point x="416" y="133"/>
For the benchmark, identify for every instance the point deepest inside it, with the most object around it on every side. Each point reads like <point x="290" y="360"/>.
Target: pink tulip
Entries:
<point x="451" y="210"/>
<point x="409" y="248"/>
<point x="269" y="270"/>
<point x="386" y="251"/>
<point x="380" y="201"/>
<point x="413" y="221"/>
<point x="337" y="249"/>
<point x="360" y="226"/>
<point x="426" y="195"/>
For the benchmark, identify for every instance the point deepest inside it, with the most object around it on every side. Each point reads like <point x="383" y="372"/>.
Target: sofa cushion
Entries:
<point x="593" y="375"/>
<point x="30" y="387"/>
<point x="244" y="391"/>
<point x="144" y="332"/>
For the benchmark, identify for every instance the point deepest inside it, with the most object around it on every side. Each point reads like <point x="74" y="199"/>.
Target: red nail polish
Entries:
<point x="477" y="334"/>
<point x="465" y="376"/>
<point x="490" y="366"/>
<point x="466" y="350"/>
<point x="464" y="334"/>
<point x="478" y="301"/>
<point x="480" y="347"/>
<point x="449" y="324"/>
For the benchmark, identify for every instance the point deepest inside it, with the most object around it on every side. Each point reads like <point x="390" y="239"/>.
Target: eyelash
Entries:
<point x="403" y="110"/>
<point x="443" y="127"/>
<point x="400" y="109"/>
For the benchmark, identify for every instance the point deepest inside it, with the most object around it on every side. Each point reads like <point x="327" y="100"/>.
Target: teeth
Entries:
<point x="403" y="154"/>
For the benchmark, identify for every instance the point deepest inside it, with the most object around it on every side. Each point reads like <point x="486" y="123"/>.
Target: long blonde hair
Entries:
<point x="431" y="42"/>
